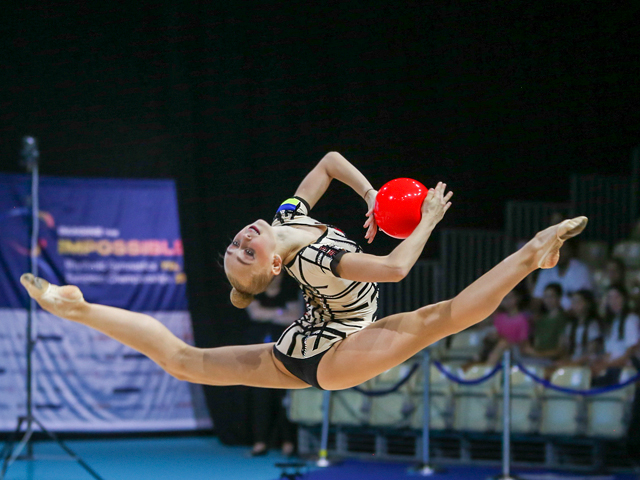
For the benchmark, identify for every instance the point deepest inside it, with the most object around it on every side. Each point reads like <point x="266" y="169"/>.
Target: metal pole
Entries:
<point x="324" y="440"/>
<point x="506" y="416"/>
<point x="31" y="327"/>
<point x="30" y="156"/>
<point x="426" y="468"/>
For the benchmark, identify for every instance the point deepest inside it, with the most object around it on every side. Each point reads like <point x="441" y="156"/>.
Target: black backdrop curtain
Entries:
<point x="238" y="100"/>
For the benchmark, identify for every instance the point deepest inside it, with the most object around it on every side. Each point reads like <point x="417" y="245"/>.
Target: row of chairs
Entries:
<point x="476" y="408"/>
<point x="596" y="253"/>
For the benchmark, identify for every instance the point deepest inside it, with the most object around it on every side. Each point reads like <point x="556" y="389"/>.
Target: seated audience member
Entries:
<point x="614" y="274"/>
<point x="583" y="335"/>
<point x="622" y="335"/>
<point x="548" y="329"/>
<point x="511" y="326"/>
<point x="633" y="433"/>
<point x="570" y="273"/>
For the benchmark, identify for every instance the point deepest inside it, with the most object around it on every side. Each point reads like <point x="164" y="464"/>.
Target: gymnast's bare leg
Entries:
<point x="376" y="348"/>
<point x="252" y="365"/>
<point x="392" y="340"/>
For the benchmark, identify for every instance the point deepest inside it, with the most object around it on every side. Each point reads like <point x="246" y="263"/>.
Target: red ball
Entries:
<point x="398" y="206"/>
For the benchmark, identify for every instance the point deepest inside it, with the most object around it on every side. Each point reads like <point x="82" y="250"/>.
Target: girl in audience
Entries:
<point x="511" y="325"/>
<point x="614" y="274"/>
<point x="622" y="335"/>
<point x="583" y="334"/>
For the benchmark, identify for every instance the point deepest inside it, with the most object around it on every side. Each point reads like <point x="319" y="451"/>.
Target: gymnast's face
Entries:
<point x="252" y="252"/>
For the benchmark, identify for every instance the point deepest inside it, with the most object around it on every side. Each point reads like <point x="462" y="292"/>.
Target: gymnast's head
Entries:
<point x="251" y="262"/>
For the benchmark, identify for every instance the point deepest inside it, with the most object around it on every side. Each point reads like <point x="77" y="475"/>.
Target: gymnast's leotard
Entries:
<point x="335" y="307"/>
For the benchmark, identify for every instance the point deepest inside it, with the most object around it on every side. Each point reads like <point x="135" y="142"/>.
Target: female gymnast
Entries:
<point x="338" y="343"/>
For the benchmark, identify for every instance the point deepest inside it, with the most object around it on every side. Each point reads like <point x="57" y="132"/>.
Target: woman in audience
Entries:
<point x="614" y="274"/>
<point x="622" y="335"/>
<point x="511" y="326"/>
<point x="549" y="329"/>
<point x="583" y="334"/>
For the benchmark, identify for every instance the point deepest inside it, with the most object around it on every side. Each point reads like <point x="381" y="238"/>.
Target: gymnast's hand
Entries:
<point x="436" y="203"/>
<point x="370" y="224"/>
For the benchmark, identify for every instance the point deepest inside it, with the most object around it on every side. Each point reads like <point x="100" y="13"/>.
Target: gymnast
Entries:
<point x="339" y="342"/>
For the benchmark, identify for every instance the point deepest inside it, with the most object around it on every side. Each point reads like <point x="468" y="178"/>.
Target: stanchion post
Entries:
<point x="426" y="468"/>
<point x="506" y="416"/>
<point x="323" y="461"/>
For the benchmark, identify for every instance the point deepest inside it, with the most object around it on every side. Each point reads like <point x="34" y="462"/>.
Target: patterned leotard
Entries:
<point x="336" y="307"/>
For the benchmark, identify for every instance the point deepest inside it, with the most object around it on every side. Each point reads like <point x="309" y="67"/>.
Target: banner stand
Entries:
<point x="30" y="155"/>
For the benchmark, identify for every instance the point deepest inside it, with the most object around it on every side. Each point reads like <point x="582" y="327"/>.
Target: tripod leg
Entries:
<point x="70" y="452"/>
<point x="12" y="456"/>
<point x="9" y="454"/>
<point x="8" y="446"/>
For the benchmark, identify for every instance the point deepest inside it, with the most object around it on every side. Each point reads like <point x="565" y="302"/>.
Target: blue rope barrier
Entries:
<point x="395" y="388"/>
<point x="462" y="381"/>
<point x="577" y="391"/>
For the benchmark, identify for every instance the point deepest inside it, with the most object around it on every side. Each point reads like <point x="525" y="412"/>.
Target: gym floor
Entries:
<point x="206" y="458"/>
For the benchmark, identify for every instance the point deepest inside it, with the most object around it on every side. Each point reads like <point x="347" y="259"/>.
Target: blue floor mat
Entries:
<point x="353" y="469"/>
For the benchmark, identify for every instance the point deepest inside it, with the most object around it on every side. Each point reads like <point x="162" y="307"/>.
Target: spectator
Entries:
<point x="622" y="335"/>
<point x="584" y="331"/>
<point x="271" y="312"/>
<point x="511" y="326"/>
<point x="570" y="273"/>
<point x="616" y="271"/>
<point x="633" y="433"/>
<point x="548" y="329"/>
<point x="615" y="274"/>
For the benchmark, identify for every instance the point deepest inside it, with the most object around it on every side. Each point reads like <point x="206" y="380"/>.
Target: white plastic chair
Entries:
<point x="441" y="400"/>
<point x="476" y="406"/>
<point x="565" y="413"/>
<point x="393" y="409"/>
<point x="464" y="345"/>
<point x="306" y="406"/>
<point x="609" y="412"/>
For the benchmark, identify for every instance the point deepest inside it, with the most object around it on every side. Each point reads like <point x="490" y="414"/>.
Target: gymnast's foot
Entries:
<point x="549" y="241"/>
<point x="61" y="301"/>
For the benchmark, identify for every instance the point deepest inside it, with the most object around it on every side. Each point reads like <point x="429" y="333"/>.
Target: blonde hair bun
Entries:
<point x="240" y="299"/>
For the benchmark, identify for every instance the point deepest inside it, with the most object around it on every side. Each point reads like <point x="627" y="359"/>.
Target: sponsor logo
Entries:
<point x="131" y="248"/>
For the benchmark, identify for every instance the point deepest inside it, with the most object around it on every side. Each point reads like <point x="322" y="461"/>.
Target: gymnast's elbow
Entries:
<point x="395" y="273"/>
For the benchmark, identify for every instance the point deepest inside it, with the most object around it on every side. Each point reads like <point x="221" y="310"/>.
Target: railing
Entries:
<point x="426" y="468"/>
<point x="466" y="255"/>
<point x="524" y="219"/>
<point x="608" y="201"/>
<point x="421" y="287"/>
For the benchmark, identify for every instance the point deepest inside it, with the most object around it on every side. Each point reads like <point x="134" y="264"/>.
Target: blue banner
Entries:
<point x="119" y="241"/>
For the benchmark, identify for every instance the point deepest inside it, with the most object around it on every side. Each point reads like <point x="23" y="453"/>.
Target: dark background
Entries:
<point x="238" y="100"/>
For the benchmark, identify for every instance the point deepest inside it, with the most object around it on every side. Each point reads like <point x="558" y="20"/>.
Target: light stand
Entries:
<point x="9" y="454"/>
